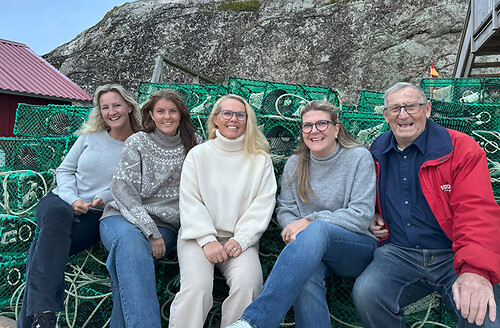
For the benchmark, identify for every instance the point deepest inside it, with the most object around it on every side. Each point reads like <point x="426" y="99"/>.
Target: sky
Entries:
<point x="43" y="25"/>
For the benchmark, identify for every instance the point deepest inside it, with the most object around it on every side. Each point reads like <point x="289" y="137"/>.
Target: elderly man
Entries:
<point x="438" y="221"/>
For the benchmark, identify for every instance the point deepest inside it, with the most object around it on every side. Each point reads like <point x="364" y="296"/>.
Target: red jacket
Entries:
<point x="456" y="184"/>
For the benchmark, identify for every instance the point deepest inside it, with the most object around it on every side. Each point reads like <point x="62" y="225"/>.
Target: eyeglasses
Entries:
<point x="321" y="126"/>
<point x="409" y="108"/>
<point x="228" y="114"/>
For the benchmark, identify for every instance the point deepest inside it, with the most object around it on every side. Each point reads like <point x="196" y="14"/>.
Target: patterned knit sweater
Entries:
<point x="145" y="185"/>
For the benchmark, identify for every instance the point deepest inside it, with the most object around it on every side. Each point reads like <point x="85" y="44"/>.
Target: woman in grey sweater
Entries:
<point x="326" y="204"/>
<point x="141" y="222"/>
<point x="68" y="217"/>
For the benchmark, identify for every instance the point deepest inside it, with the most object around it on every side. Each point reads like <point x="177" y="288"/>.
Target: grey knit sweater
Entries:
<point x="345" y="187"/>
<point x="87" y="170"/>
<point x="145" y="185"/>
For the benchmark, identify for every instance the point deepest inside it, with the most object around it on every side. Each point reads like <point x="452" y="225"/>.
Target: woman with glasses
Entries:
<point x="227" y="196"/>
<point x="325" y="207"/>
<point x="140" y="225"/>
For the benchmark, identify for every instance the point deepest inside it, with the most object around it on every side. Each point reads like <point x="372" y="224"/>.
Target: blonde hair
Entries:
<point x="95" y="121"/>
<point x="344" y="139"/>
<point x="254" y="140"/>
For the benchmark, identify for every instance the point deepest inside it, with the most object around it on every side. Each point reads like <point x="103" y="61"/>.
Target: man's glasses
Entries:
<point x="321" y="126"/>
<point x="228" y="114"/>
<point x="409" y="108"/>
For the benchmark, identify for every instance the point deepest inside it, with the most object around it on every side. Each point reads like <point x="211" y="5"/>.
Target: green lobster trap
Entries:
<point x="465" y="90"/>
<point x="281" y="99"/>
<point x="12" y="268"/>
<point x="32" y="153"/>
<point x="199" y="98"/>
<point x="49" y="120"/>
<point x="371" y="102"/>
<point x="364" y="127"/>
<point x="21" y="190"/>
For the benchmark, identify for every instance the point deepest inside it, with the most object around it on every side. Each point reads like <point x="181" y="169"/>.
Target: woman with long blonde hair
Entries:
<point x="227" y="196"/>
<point x="68" y="217"/>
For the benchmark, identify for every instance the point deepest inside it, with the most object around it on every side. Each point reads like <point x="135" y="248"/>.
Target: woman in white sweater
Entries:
<point x="141" y="223"/>
<point x="68" y="217"/>
<point x="227" y="197"/>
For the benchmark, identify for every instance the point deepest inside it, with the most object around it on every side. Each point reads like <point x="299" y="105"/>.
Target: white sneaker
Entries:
<point x="240" y="324"/>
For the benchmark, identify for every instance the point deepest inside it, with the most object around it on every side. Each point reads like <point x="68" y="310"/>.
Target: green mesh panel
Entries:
<point x="199" y="98"/>
<point x="200" y="123"/>
<point x="465" y="90"/>
<point x="273" y="98"/>
<point x="49" y="120"/>
<point x="21" y="190"/>
<point x="364" y="127"/>
<point x="30" y="153"/>
<point x="371" y="102"/>
<point x="12" y="268"/>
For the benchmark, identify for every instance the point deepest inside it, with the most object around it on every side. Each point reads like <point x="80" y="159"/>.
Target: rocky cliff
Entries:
<point x="343" y="44"/>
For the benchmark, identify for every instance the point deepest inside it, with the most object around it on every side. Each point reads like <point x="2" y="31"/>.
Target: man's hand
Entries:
<point x="376" y="227"/>
<point x="215" y="252"/>
<point x="473" y="295"/>
<point x="233" y="248"/>
<point x="290" y="232"/>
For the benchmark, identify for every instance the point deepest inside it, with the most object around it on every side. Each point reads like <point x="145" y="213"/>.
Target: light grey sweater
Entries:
<point x="345" y="187"/>
<point x="87" y="169"/>
<point x="145" y="185"/>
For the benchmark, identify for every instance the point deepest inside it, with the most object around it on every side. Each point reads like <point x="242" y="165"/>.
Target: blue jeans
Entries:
<point x="61" y="234"/>
<point x="399" y="276"/>
<point x="132" y="270"/>
<point x="298" y="275"/>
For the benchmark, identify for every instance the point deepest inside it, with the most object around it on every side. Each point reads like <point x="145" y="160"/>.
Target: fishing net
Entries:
<point x="45" y="134"/>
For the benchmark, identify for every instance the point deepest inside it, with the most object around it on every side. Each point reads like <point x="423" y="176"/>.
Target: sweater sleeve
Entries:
<point x="65" y="173"/>
<point x="358" y="213"/>
<point x="196" y="222"/>
<point x="255" y="220"/>
<point x="126" y="186"/>
<point x="287" y="210"/>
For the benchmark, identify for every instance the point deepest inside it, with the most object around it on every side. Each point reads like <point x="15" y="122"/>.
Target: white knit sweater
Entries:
<point x="225" y="192"/>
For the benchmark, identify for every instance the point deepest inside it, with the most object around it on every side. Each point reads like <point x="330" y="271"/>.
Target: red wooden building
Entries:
<point x="27" y="78"/>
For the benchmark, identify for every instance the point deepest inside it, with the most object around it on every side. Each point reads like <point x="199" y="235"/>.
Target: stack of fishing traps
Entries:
<point x="44" y="134"/>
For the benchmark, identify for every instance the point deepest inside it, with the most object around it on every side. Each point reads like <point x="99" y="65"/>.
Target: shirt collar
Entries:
<point x="420" y="142"/>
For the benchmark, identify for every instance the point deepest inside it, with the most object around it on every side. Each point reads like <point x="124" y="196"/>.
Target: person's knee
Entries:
<point x="249" y="282"/>
<point x="365" y="291"/>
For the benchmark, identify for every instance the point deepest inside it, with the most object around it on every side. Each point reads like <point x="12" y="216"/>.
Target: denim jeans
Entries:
<point x="399" y="276"/>
<point x="298" y="275"/>
<point x="132" y="270"/>
<point x="61" y="234"/>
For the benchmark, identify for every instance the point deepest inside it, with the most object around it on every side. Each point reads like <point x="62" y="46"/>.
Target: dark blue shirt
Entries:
<point x="405" y="210"/>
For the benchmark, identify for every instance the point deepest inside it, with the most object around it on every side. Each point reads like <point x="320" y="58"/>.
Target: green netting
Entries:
<point x="49" y="120"/>
<point x="199" y="98"/>
<point x="466" y="90"/>
<point x="31" y="153"/>
<point x="371" y="102"/>
<point x="364" y="127"/>
<point x="273" y="98"/>
<point x="12" y="268"/>
<point x="88" y="297"/>
<point x="21" y="190"/>
<point x="200" y="123"/>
